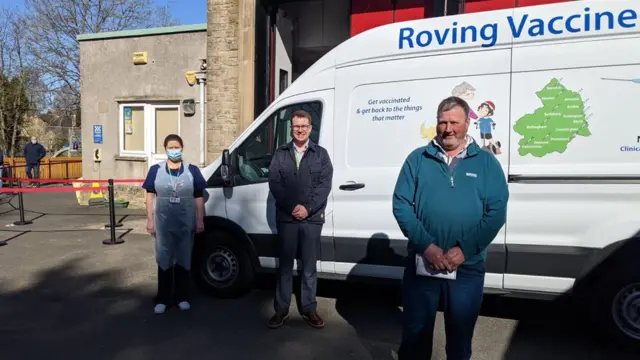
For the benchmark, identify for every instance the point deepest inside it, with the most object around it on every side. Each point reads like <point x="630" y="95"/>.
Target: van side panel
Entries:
<point x="389" y="109"/>
<point x="575" y="157"/>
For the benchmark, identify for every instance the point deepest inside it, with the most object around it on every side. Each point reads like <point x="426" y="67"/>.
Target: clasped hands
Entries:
<point x="448" y="261"/>
<point x="300" y="212"/>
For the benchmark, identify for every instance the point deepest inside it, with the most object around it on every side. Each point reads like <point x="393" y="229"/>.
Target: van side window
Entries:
<point x="254" y="154"/>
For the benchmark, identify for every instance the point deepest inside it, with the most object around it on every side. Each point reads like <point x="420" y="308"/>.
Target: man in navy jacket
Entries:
<point x="33" y="154"/>
<point x="300" y="176"/>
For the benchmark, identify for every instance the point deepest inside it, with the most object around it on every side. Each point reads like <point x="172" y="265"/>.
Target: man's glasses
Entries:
<point x="300" y="127"/>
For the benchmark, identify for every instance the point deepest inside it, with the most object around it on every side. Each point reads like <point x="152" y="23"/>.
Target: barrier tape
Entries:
<point x="27" y="180"/>
<point x="51" y="189"/>
<point x="55" y="162"/>
<point x="19" y="190"/>
<point x="84" y="181"/>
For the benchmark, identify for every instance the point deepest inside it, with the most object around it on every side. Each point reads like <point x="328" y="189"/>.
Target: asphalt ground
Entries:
<point x="63" y="294"/>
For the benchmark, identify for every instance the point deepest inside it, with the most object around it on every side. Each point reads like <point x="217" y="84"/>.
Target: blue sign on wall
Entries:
<point x="97" y="134"/>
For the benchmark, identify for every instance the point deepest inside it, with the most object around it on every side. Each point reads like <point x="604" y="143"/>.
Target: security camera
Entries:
<point x="203" y="64"/>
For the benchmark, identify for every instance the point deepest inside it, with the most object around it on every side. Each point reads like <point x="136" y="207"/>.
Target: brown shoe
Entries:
<point x="313" y="319"/>
<point x="278" y="320"/>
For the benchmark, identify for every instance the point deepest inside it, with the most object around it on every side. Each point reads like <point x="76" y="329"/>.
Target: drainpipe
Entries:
<point x="273" y="17"/>
<point x="201" y="76"/>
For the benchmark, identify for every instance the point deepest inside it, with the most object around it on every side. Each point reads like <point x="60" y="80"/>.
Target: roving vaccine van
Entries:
<point x="551" y="89"/>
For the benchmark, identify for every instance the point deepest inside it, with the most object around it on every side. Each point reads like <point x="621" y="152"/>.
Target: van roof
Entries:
<point x="486" y="31"/>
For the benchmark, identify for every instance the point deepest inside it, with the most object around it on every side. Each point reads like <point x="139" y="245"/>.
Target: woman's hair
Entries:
<point x="173" y="137"/>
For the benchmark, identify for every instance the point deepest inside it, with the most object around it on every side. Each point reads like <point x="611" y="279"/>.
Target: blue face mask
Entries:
<point x="174" y="154"/>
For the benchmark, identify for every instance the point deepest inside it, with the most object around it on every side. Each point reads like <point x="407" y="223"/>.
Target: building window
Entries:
<point x="133" y="122"/>
<point x="167" y="121"/>
<point x="143" y="127"/>
<point x="284" y="80"/>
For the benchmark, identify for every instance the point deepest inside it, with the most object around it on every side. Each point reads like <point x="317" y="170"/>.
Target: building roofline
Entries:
<point x="142" y="32"/>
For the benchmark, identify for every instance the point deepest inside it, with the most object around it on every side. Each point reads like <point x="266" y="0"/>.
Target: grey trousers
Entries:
<point x="294" y="236"/>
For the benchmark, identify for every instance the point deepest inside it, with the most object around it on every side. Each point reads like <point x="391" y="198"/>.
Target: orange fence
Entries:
<point x="50" y="168"/>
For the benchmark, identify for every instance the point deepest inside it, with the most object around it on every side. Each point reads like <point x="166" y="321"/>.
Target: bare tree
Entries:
<point x="15" y="79"/>
<point x="53" y="26"/>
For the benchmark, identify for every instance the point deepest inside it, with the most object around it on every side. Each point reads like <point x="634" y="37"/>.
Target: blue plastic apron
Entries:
<point x="175" y="217"/>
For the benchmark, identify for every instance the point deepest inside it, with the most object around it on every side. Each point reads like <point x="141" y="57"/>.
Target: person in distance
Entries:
<point x="34" y="152"/>
<point x="300" y="175"/>
<point x="175" y="213"/>
<point x="450" y="201"/>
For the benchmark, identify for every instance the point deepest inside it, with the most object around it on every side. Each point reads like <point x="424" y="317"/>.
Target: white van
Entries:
<point x="553" y="85"/>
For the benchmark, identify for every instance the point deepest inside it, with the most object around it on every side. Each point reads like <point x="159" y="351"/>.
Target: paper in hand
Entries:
<point x="423" y="268"/>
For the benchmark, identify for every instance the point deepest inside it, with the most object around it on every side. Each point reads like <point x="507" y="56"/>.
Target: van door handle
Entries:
<point x="351" y="186"/>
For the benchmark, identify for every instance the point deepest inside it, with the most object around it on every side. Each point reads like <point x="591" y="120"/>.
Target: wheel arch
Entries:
<point x="217" y="223"/>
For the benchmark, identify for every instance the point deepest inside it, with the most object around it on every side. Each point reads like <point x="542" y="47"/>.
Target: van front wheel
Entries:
<point x="618" y="307"/>
<point x="224" y="267"/>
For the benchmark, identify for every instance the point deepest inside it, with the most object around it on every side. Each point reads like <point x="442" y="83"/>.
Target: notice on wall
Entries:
<point x="128" y="122"/>
<point x="97" y="134"/>
<point x="389" y="109"/>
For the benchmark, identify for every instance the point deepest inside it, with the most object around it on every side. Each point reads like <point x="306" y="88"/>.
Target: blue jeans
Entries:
<point x="462" y="299"/>
<point x="36" y="171"/>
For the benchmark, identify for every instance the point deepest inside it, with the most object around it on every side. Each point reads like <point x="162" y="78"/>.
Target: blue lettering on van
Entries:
<point x="487" y="34"/>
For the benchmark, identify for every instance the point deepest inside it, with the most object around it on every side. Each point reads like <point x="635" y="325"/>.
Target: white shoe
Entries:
<point x="160" y="308"/>
<point x="184" y="305"/>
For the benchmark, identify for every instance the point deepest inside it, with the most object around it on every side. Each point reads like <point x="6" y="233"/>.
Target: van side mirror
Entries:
<point x="225" y="168"/>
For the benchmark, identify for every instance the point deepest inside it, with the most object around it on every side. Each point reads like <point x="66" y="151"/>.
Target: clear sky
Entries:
<point x="187" y="11"/>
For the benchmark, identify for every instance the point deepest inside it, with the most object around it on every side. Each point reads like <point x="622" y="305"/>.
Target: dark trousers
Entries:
<point x="36" y="170"/>
<point x="306" y="238"/>
<point x="173" y="285"/>
<point x="461" y="298"/>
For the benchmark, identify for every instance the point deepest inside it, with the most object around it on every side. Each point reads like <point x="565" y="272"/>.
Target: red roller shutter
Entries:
<point x="367" y="14"/>
<point x="409" y="10"/>
<point x="471" y="6"/>
<point x="539" y="2"/>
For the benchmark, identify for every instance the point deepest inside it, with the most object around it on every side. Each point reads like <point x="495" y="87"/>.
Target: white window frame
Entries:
<point x="149" y="127"/>
<point x="152" y="123"/>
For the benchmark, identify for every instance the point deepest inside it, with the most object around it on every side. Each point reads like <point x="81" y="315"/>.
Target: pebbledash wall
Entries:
<point x="137" y="105"/>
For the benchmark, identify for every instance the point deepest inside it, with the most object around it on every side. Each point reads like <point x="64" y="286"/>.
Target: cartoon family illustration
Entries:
<point x="483" y="119"/>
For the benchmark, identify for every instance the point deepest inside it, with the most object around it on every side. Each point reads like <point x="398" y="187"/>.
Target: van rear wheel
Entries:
<point x="617" y="310"/>
<point x="224" y="267"/>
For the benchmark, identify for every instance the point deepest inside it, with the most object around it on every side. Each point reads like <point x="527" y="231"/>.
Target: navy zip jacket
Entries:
<point x="308" y="185"/>
<point x="33" y="153"/>
<point x="463" y="205"/>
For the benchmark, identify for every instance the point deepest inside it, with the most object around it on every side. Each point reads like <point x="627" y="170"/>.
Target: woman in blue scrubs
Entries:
<point x="175" y="213"/>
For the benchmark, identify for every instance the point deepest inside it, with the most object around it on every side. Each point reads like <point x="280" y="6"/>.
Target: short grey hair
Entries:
<point x="450" y="103"/>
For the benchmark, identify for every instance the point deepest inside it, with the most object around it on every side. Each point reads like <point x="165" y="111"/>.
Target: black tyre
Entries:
<point x="616" y="309"/>
<point x="224" y="268"/>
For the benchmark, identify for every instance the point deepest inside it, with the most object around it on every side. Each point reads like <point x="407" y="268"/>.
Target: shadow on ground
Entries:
<point x="80" y="314"/>
<point x="543" y="329"/>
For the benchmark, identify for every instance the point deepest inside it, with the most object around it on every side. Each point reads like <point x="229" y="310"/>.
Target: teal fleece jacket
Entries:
<point x="465" y="206"/>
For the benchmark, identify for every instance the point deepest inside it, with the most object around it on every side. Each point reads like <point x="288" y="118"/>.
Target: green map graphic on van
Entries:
<point x="553" y="126"/>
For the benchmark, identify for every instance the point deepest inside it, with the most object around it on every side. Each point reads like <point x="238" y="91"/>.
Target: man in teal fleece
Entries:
<point x="450" y="201"/>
